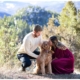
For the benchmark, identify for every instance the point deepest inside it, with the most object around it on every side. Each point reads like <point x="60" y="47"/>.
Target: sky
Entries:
<point x="37" y="0"/>
<point x="34" y="2"/>
<point x="48" y="4"/>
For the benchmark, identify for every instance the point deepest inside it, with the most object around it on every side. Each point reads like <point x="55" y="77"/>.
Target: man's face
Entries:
<point x="37" y="34"/>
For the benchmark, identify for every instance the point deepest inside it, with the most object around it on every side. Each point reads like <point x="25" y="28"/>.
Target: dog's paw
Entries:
<point x="43" y="73"/>
<point x="34" y="73"/>
<point x="51" y="73"/>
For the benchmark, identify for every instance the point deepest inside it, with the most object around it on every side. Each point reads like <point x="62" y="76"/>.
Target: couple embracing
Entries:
<point x="62" y="59"/>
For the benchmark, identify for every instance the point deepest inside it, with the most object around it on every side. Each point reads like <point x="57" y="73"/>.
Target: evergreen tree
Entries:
<point x="50" y="29"/>
<point x="68" y="22"/>
<point x="68" y="15"/>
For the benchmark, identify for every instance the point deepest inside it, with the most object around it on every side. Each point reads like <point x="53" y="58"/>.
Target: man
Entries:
<point x="30" y="43"/>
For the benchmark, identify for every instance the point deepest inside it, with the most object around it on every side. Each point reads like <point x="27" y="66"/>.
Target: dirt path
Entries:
<point x="14" y="74"/>
<point x="6" y="72"/>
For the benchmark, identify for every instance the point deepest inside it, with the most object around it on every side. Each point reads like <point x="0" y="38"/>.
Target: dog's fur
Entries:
<point x="43" y="64"/>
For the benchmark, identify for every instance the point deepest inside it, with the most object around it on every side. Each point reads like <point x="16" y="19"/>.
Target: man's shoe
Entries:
<point x="22" y="69"/>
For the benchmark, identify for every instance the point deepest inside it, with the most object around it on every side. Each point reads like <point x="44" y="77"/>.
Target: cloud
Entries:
<point x="37" y="0"/>
<point x="33" y="2"/>
<point x="1" y="1"/>
<point x="10" y="5"/>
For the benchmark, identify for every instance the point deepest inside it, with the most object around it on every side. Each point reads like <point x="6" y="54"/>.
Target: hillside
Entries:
<point x="36" y="15"/>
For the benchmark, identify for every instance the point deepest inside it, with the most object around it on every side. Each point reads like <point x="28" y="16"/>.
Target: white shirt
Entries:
<point x="30" y="44"/>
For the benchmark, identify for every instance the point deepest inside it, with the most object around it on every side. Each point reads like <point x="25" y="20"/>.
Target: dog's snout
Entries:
<point x="45" y="44"/>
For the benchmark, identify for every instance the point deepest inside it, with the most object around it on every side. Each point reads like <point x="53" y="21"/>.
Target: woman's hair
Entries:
<point x="54" y="40"/>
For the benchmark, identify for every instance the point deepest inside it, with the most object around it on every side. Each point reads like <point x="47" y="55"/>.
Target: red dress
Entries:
<point x="64" y="64"/>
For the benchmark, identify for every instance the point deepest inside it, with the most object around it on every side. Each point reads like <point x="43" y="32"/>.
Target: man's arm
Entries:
<point x="26" y="43"/>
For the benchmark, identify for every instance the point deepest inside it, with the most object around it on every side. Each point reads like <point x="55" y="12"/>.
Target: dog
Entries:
<point x="43" y="64"/>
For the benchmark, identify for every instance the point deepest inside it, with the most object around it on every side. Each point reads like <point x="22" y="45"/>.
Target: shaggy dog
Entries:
<point x="43" y="64"/>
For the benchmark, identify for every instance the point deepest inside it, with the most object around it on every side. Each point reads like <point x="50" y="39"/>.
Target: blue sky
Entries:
<point x="35" y="1"/>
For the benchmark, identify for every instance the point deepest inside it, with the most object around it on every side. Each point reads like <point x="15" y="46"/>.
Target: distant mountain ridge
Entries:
<point x="2" y="14"/>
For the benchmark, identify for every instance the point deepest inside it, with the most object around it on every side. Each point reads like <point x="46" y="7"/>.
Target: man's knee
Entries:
<point x="26" y="64"/>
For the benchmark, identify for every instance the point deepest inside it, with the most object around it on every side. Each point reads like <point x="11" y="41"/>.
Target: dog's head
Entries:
<point x="45" y="45"/>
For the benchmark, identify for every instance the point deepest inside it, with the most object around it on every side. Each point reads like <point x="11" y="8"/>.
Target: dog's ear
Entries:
<point x="42" y="46"/>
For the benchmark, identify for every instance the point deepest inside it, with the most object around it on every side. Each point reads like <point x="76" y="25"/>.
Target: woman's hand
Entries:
<point x="55" y="58"/>
<point x="62" y="47"/>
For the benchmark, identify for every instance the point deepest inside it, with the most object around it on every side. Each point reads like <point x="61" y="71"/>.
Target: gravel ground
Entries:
<point x="22" y="75"/>
<point x="14" y="73"/>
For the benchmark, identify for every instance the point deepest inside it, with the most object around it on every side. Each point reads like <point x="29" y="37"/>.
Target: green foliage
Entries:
<point x="68" y="22"/>
<point x="50" y="29"/>
<point x="77" y="28"/>
<point x="6" y="37"/>
<point x="12" y="32"/>
<point x="68" y="15"/>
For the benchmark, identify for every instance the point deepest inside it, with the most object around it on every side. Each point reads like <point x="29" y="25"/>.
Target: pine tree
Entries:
<point x="50" y="29"/>
<point x="68" y="15"/>
<point x="68" y="22"/>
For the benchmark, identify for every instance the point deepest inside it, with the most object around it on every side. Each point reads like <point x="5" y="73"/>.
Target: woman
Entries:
<point x="62" y="59"/>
